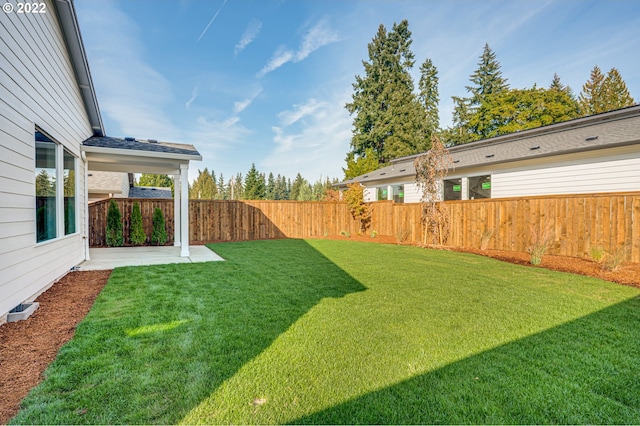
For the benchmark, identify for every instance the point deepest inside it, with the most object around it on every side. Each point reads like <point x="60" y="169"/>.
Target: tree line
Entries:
<point x="254" y="185"/>
<point x="392" y="119"/>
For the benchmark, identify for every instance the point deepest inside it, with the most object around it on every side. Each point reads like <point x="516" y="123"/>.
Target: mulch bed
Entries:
<point x="28" y="347"/>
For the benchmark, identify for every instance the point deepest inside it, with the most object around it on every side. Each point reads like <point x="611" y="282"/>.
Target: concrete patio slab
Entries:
<point x="114" y="257"/>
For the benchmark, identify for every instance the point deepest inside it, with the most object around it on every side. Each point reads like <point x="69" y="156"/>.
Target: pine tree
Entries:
<point x="271" y="187"/>
<point x="254" y="188"/>
<point x="590" y="98"/>
<point x="556" y="84"/>
<point x="296" y="187"/>
<point x="616" y="91"/>
<point x="204" y="187"/>
<point x="601" y="94"/>
<point x="223" y="189"/>
<point x="387" y="114"/>
<point x="487" y="79"/>
<point x="429" y="96"/>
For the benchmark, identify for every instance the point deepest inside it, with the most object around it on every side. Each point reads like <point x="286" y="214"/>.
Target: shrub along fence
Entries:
<point x="575" y="223"/>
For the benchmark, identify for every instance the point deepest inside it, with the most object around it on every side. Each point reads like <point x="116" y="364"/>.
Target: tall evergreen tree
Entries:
<point x="204" y="187"/>
<point x="296" y="187"/>
<point x="601" y="94"/>
<point x="254" y="188"/>
<point x="487" y="79"/>
<point x="556" y="84"/>
<point x="271" y="187"/>
<point x="387" y="114"/>
<point x="223" y="189"/>
<point x="429" y="96"/>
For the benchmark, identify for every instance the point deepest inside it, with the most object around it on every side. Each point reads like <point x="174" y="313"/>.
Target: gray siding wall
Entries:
<point x="37" y="88"/>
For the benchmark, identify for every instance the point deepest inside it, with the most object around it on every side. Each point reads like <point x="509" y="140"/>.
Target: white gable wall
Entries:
<point x="37" y="88"/>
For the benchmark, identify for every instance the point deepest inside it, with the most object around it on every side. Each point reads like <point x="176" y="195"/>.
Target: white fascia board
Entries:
<point x="138" y="153"/>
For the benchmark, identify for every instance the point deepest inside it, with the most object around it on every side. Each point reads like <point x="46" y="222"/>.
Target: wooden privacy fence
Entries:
<point x="575" y="223"/>
<point x="98" y="218"/>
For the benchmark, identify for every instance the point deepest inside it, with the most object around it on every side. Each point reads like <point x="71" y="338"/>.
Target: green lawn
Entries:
<point x="322" y="331"/>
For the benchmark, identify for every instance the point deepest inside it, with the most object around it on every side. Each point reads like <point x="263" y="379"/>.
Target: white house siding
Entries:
<point x="412" y="193"/>
<point x="607" y="174"/>
<point x="37" y="88"/>
<point x="369" y="194"/>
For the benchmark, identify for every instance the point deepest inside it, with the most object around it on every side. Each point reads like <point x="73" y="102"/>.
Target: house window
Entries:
<point x="452" y="189"/>
<point x="382" y="193"/>
<point x="479" y="187"/>
<point x="69" y="193"/>
<point x="46" y="187"/>
<point x="398" y="193"/>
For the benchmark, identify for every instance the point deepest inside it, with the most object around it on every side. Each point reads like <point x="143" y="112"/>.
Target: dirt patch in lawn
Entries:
<point x="28" y="347"/>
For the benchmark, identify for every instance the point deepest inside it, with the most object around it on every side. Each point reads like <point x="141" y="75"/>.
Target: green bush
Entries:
<point x="137" y="236"/>
<point x="159" y="236"/>
<point x="114" y="226"/>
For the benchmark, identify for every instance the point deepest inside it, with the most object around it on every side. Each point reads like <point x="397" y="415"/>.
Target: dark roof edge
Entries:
<point x="71" y="30"/>
<point x="589" y="120"/>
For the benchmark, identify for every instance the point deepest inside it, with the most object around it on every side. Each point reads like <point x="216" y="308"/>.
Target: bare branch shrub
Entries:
<point x="431" y="168"/>
<point x="613" y="260"/>
<point x="361" y="211"/>
<point x="540" y="243"/>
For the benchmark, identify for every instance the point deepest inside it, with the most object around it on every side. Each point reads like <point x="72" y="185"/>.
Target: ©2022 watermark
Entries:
<point x="25" y="8"/>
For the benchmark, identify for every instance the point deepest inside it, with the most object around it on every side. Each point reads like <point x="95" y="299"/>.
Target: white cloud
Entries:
<point x="240" y="106"/>
<point x="312" y="106"/>
<point x="194" y="95"/>
<point x="317" y="36"/>
<point x="313" y="146"/>
<point x="249" y="34"/>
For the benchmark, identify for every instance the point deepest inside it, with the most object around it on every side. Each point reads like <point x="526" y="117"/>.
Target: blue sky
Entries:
<point x="265" y="82"/>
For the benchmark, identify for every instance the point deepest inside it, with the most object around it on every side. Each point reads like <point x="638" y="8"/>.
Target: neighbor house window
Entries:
<point x="46" y="187"/>
<point x="479" y="187"/>
<point x="398" y="193"/>
<point x="69" y="193"/>
<point x="383" y="193"/>
<point x="453" y="189"/>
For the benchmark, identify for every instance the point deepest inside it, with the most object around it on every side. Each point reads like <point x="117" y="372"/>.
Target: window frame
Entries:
<point x="60" y="219"/>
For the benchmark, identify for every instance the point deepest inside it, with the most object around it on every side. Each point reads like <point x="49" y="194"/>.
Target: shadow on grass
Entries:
<point x="160" y="339"/>
<point x="585" y="371"/>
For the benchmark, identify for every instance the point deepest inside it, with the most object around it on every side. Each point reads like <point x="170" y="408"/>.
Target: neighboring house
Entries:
<point x="599" y="153"/>
<point x="101" y="185"/>
<point x="51" y="138"/>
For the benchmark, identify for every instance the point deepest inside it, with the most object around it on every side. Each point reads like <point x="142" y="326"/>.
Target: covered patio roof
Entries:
<point x="130" y="155"/>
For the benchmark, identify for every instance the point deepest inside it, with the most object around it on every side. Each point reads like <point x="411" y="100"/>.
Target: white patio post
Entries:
<point x="184" y="214"/>
<point x="177" y="186"/>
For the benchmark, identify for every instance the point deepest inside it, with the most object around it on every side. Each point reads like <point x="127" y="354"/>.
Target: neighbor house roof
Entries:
<point x="149" y="192"/>
<point x="610" y="129"/>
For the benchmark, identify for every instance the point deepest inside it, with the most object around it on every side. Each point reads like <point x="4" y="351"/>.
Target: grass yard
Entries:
<point x="322" y="331"/>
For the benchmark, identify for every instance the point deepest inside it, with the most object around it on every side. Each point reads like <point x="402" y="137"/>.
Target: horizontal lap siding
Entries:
<point x="37" y="88"/>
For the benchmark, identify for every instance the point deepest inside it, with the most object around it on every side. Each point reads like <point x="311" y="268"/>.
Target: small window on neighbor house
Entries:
<point x="383" y="193"/>
<point x="69" y="177"/>
<point x="46" y="187"/>
<point x="479" y="187"/>
<point x="398" y="193"/>
<point x="453" y="189"/>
